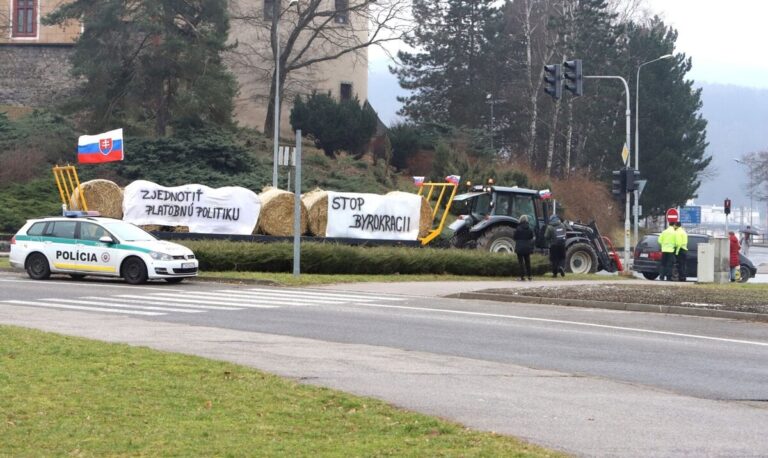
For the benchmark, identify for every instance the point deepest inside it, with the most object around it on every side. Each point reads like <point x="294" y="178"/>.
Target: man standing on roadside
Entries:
<point x="555" y="237"/>
<point x="681" y="251"/>
<point x="668" y="243"/>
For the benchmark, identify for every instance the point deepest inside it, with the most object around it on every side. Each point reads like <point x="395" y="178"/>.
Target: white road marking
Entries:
<point x="318" y="294"/>
<point x="74" y="307"/>
<point x="574" y="323"/>
<point x="202" y="301"/>
<point x="149" y="301"/>
<point x="79" y="284"/>
<point x="248" y="298"/>
<point x="142" y="307"/>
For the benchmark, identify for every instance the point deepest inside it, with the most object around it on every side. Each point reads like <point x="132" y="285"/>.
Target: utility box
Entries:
<point x="722" y="271"/>
<point x="705" y="272"/>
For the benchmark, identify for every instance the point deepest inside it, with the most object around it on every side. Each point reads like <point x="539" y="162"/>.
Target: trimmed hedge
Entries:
<point x="327" y="258"/>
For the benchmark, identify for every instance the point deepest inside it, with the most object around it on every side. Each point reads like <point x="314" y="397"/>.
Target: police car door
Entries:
<point x="95" y="256"/>
<point x="59" y="244"/>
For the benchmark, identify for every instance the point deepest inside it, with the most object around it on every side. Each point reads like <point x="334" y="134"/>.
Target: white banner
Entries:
<point x="371" y="216"/>
<point x="228" y="210"/>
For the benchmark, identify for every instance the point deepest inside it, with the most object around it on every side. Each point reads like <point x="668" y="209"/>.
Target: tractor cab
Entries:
<point x="488" y="215"/>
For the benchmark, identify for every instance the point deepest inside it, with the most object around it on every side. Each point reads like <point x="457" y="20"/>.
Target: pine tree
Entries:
<point x="450" y="78"/>
<point x="151" y="64"/>
<point x="672" y="130"/>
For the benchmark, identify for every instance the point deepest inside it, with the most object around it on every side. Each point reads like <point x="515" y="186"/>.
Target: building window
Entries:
<point x="345" y="91"/>
<point x="268" y="9"/>
<point x="25" y="18"/>
<point x="342" y="12"/>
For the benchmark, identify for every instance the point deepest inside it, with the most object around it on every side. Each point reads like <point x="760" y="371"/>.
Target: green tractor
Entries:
<point x="487" y="217"/>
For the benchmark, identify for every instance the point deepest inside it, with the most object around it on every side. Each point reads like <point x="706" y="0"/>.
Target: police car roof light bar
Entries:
<point x="80" y="213"/>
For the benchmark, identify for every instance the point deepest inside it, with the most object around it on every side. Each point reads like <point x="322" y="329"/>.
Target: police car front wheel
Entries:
<point x="37" y="267"/>
<point x="134" y="271"/>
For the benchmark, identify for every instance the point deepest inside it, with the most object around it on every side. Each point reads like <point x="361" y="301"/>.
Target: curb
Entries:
<point x="628" y="307"/>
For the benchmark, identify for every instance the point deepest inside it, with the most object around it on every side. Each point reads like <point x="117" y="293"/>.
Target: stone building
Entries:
<point x="35" y="70"/>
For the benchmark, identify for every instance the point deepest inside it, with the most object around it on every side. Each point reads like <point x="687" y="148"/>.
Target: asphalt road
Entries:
<point x="591" y="382"/>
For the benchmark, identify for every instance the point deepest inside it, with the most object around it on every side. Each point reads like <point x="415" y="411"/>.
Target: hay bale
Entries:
<point x="152" y="227"/>
<point x="276" y="216"/>
<point x="316" y="203"/>
<point x="425" y="214"/>
<point x="103" y="196"/>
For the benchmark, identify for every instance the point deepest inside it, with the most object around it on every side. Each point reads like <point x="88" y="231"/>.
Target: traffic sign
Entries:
<point x="672" y="215"/>
<point x="690" y="215"/>
<point x="625" y="155"/>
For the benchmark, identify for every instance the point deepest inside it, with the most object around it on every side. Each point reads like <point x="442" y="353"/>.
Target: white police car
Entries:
<point x="85" y="245"/>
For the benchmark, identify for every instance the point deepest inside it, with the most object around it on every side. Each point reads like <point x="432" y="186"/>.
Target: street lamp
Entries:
<point x="637" y="134"/>
<point x="626" y="142"/>
<point x="748" y="164"/>
<point x="276" y="121"/>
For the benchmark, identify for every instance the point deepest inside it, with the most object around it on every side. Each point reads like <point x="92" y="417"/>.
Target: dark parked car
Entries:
<point x="648" y="258"/>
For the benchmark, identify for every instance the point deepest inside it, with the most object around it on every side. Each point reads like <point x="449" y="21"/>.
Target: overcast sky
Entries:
<point x="725" y="39"/>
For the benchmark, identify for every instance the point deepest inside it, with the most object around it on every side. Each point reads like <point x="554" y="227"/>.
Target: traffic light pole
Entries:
<point x="627" y="196"/>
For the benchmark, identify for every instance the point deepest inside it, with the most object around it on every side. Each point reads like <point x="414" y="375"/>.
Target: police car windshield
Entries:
<point x="128" y="232"/>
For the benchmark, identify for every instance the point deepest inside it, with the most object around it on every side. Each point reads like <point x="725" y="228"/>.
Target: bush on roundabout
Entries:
<point x="330" y="258"/>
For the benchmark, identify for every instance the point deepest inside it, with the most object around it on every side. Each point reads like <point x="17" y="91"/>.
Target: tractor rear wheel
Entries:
<point x="497" y="239"/>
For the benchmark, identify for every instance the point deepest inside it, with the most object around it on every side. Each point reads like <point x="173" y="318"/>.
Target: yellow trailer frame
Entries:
<point x="67" y="181"/>
<point x="429" y="189"/>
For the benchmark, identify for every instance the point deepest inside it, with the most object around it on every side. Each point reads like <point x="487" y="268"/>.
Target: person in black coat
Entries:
<point x="524" y="247"/>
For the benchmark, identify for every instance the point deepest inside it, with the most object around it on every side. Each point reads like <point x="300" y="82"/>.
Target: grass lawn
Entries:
<point x="4" y="262"/>
<point x="70" y="396"/>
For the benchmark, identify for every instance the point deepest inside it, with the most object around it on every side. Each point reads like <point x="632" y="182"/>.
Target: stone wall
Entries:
<point x="35" y="75"/>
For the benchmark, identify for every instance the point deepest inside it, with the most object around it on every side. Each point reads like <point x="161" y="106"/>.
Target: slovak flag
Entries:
<point x="455" y="179"/>
<point x="418" y="181"/>
<point x="545" y="194"/>
<point x="106" y="147"/>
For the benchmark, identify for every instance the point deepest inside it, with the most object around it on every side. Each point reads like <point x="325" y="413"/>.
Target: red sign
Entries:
<point x="672" y="215"/>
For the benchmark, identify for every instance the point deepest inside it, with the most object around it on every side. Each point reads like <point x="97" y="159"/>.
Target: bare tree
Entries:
<point x="312" y="33"/>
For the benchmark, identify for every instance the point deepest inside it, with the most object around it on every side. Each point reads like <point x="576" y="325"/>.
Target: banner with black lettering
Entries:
<point x="228" y="210"/>
<point x="371" y="216"/>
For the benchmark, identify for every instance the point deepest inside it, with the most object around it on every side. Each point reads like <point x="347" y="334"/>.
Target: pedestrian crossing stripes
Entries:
<point x="164" y="302"/>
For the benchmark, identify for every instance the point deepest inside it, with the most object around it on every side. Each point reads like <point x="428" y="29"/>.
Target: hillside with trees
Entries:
<point x="476" y="106"/>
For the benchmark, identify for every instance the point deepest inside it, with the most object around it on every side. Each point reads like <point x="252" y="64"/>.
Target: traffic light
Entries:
<point x="631" y="179"/>
<point x="573" y="76"/>
<point x="553" y="78"/>
<point x="618" y="183"/>
<point x="727" y="206"/>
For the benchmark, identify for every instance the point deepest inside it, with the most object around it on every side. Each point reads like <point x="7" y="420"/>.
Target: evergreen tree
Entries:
<point x="335" y="126"/>
<point x="151" y="64"/>
<point x="449" y="76"/>
<point x="672" y="130"/>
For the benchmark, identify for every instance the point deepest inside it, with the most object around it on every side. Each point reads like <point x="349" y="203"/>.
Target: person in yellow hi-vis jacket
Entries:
<point x="681" y="250"/>
<point x="668" y="244"/>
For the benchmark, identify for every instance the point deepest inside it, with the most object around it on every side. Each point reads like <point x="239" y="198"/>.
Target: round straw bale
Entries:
<point x="276" y="216"/>
<point x="103" y="196"/>
<point x="152" y="227"/>
<point x="316" y="203"/>
<point x="425" y="214"/>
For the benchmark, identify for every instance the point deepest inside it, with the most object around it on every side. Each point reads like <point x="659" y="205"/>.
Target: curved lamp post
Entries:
<point x="637" y="133"/>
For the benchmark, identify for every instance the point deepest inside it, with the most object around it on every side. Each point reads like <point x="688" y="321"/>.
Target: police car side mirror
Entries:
<point x="106" y="239"/>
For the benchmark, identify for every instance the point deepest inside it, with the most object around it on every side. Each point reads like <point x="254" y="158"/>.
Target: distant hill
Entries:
<point x="737" y="118"/>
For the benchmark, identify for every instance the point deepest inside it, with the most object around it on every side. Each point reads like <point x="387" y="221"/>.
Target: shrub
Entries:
<point x="331" y="258"/>
<point x="335" y="126"/>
